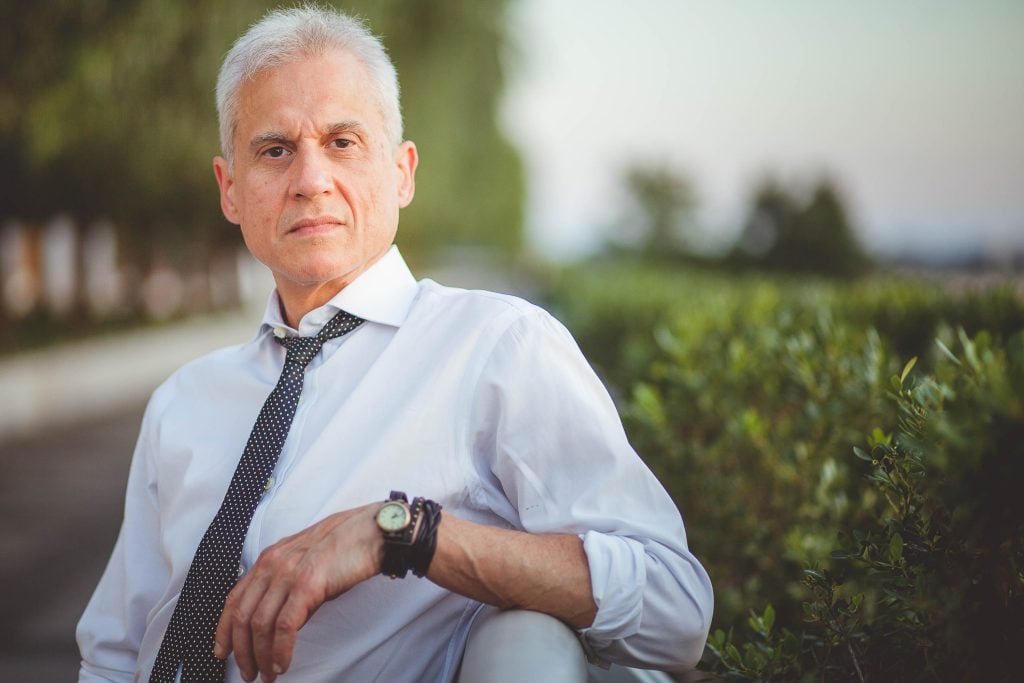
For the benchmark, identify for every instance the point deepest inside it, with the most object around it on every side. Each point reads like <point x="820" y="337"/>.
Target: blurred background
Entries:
<point x="794" y="197"/>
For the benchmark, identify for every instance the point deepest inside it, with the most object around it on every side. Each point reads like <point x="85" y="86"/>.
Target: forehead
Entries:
<point x="309" y="90"/>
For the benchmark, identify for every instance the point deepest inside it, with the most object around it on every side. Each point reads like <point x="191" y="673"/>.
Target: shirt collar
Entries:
<point x="383" y="294"/>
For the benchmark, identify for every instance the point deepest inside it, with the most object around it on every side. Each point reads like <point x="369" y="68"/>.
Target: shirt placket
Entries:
<point x="254" y="539"/>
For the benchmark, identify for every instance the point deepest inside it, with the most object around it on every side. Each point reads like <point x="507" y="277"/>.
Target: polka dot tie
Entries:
<point x="215" y="568"/>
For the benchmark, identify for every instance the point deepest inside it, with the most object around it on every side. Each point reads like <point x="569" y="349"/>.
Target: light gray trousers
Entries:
<point x="517" y="646"/>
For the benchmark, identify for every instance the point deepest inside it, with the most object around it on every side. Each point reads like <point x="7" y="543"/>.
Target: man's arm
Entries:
<point x="291" y="579"/>
<point x="540" y="572"/>
<point x="551" y="458"/>
<point x="110" y="630"/>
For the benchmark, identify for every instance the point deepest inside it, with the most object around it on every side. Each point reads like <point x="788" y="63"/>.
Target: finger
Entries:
<point x="222" y="643"/>
<point x="292" y="616"/>
<point x="265" y="624"/>
<point x="246" y="598"/>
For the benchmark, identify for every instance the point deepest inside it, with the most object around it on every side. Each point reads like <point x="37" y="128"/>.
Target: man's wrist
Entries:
<point x="409" y="534"/>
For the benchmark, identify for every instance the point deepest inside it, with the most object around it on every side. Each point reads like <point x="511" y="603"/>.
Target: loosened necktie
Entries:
<point x="215" y="568"/>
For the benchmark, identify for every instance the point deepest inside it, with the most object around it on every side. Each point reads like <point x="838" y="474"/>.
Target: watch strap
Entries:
<point x="395" y="562"/>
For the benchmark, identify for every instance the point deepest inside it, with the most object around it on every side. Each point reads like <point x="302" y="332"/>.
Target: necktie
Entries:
<point x="215" y="567"/>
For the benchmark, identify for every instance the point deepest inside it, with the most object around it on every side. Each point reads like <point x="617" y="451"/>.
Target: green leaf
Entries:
<point x="896" y="548"/>
<point x="769" y="618"/>
<point x="716" y="641"/>
<point x="949" y="354"/>
<point x="859" y="452"/>
<point x="907" y="368"/>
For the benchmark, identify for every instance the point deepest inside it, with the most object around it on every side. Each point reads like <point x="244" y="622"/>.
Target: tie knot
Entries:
<point x="302" y="350"/>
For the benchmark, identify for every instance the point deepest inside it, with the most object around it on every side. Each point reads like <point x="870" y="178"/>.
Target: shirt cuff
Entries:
<point x="618" y="577"/>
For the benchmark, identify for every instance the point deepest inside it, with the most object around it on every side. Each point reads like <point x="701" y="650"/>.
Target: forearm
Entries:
<point x="542" y="572"/>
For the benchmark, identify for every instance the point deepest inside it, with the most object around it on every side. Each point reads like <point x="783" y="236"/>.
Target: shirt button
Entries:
<point x="280" y="332"/>
<point x="241" y="569"/>
<point x="269" y="485"/>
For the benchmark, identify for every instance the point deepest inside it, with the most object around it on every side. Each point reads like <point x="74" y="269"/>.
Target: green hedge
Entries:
<point x="901" y="560"/>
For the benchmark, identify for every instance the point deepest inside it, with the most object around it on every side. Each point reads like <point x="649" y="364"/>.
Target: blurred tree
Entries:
<point x="772" y="216"/>
<point x="106" y="109"/>
<point x="449" y="57"/>
<point x="823" y="233"/>
<point x="782" y="232"/>
<point x="659" y="222"/>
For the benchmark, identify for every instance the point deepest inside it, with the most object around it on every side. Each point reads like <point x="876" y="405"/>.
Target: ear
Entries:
<point x="226" y="183"/>
<point x="406" y="160"/>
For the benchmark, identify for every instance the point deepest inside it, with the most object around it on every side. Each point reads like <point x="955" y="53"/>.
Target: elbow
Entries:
<point x="691" y="645"/>
<point x="671" y="632"/>
<point x="677" y="628"/>
<point x="662" y="622"/>
<point x="687" y="633"/>
<point x="693" y="632"/>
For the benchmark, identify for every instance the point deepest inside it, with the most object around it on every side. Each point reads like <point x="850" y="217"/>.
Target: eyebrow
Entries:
<point x="350" y="126"/>
<point x="260" y="139"/>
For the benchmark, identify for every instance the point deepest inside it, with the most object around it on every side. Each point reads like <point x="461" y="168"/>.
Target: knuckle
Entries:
<point x="261" y="623"/>
<point x="286" y="625"/>
<point x="270" y="554"/>
<point x="237" y="613"/>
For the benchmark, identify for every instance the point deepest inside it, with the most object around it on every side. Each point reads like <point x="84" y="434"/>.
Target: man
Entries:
<point x="479" y="402"/>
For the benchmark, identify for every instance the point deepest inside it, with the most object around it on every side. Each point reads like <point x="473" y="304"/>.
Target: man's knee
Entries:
<point x="518" y="645"/>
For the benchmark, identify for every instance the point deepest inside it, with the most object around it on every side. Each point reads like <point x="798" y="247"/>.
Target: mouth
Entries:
<point x="314" y="226"/>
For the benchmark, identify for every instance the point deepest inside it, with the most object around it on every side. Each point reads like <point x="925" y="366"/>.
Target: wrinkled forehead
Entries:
<point x="311" y="81"/>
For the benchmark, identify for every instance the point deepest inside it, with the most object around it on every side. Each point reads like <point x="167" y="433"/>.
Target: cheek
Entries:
<point x="382" y="204"/>
<point x="259" y="211"/>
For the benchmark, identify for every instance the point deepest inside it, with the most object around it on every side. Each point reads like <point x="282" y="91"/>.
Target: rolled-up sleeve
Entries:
<point x="555" y="450"/>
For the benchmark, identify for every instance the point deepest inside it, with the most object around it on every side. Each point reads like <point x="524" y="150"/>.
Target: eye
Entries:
<point x="341" y="143"/>
<point x="275" y="152"/>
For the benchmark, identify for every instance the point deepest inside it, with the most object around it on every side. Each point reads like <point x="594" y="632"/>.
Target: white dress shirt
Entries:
<point x="480" y="401"/>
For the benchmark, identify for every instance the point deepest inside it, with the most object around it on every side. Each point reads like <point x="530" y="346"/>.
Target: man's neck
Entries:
<point x="297" y="301"/>
<point x="299" y="298"/>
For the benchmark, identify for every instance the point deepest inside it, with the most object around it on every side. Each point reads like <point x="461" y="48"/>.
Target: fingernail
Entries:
<point x="218" y="651"/>
<point x="277" y="669"/>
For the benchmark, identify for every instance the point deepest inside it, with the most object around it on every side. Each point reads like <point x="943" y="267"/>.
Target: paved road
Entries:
<point x="62" y="488"/>
<point x="61" y="495"/>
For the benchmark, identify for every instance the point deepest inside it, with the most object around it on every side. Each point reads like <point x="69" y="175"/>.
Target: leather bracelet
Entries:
<point x="421" y="553"/>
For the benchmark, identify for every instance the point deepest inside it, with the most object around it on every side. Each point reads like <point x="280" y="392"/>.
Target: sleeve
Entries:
<point x="552" y="444"/>
<point x="111" y="628"/>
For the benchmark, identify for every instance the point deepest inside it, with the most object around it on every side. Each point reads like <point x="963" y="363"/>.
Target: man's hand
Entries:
<point x="292" y="578"/>
<point x="289" y="582"/>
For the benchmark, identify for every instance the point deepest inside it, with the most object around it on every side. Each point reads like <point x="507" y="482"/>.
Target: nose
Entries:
<point x="311" y="176"/>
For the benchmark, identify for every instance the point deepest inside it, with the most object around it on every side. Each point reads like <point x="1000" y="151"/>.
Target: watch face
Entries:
<point x="393" y="516"/>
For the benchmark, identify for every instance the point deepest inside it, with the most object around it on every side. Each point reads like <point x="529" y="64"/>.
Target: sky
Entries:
<point x="915" y="109"/>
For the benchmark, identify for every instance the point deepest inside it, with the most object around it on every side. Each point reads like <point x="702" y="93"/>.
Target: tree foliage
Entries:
<point x="661" y="219"/>
<point x="107" y="110"/>
<point x="787" y="232"/>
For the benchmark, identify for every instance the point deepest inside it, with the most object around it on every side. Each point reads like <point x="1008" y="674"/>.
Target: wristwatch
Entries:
<point x="397" y="521"/>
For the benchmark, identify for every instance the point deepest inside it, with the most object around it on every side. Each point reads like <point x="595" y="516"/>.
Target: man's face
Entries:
<point x="317" y="182"/>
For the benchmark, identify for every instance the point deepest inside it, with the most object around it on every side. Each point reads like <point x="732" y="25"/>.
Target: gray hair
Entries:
<point x="286" y="34"/>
